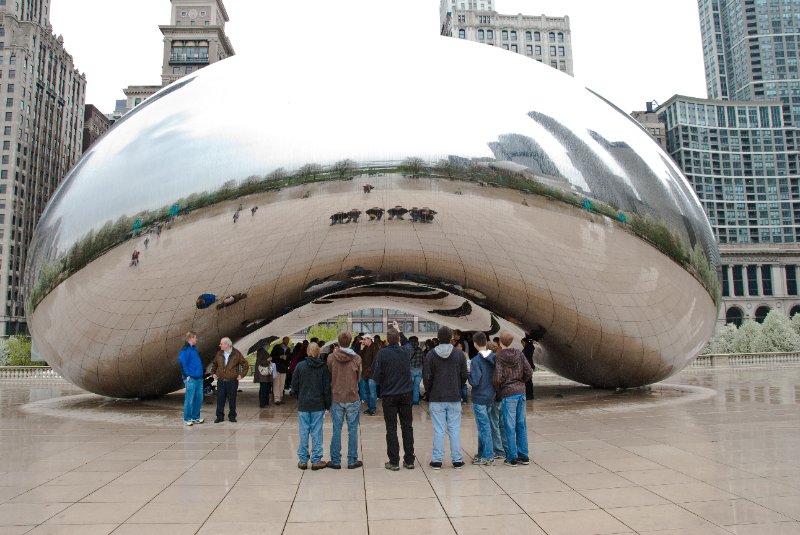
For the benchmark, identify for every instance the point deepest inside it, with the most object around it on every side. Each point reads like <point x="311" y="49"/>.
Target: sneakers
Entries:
<point x="319" y="466"/>
<point x="331" y="464"/>
<point x="369" y="412"/>
<point x="302" y="466"/>
<point x="219" y="420"/>
<point x="458" y="465"/>
<point x="408" y="466"/>
<point x="435" y="465"/>
<point x="496" y="456"/>
<point x="232" y="420"/>
<point x="198" y="421"/>
<point x="188" y="422"/>
<point x="357" y="464"/>
<point x="392" y="467"/>
<point x="512" y="464"/>
<point x="480" y="461"/>
<point x="523" y="460"/>
<point x="476" y="459"/>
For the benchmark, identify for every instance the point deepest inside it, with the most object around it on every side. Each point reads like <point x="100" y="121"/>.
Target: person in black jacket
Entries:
<point x="281" y="361"/>
<point x="311" y="384"/>
<point x="444" y="373"/>
<point x="392" y="371"/>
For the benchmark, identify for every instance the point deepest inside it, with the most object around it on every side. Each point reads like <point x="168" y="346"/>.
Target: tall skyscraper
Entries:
<point x="194" y="38"/>
<point x="42" y="109"/>
<point x="739" y="149"/>
<point x="543" y="38"/>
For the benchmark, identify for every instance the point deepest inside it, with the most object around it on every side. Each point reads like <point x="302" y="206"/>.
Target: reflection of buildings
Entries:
<point x="649" y="120"/>
<point x="545" y="39"/>
<point x="95" y="123"/>
<point x="194" y="38"/>
<point x="739" y="150"/>
<point x="378" y="320"/>
<point x="42" y="106"/>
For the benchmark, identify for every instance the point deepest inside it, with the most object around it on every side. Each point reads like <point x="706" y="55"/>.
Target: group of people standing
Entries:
<point x="354" y="371"/>
<point x="498" y="382"/>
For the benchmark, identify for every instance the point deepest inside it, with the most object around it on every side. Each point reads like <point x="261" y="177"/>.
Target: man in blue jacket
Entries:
<point x="192" y="374"/>
<point x="483" y="395"/>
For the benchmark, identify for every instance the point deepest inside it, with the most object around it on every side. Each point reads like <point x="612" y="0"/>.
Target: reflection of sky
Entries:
<point x="243" y="116"/>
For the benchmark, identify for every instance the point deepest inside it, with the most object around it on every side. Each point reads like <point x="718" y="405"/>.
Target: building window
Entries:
<point x="428" y="326"/>
<point x="462" y="19"/>
<point x="480" y="35"/>
<point x="7" y="131"/>
<point x="738" y="281"/>
<point x="183" y="13"/>
<point x="8" y="115"/>
<point x="725" y="283"/>
<point x="795" y="310"/>
<point x="462" y="34"/>
<point x="202" y="13"/>
<point x="560" y="37"/>
<point x="734" y="315"/>
<point x="505" y="35"/>
<point x="752" y="280"/>
<point x="537" y="36"/>
<point x="6" y="145"/>
<point x="490" y="34"/>
<point x="528" y="36"/>
<point x="551" y="37"/>
<point x="514" y="48"/>
<point x="3" y="176"/>
<point x="766" y="279"/>
<point x="791" y="280"/>
<point x="561" y="51"/>
<point x="176" y="70"/>
<point x="530" y="50"/>
<point x="538" y="50"/>
<point x="553" y="51"/>
<point x="513" y="35"/>
<point x="505" y="47"/>
<point x="12" y="73"/>
<point x="761" y="313"/>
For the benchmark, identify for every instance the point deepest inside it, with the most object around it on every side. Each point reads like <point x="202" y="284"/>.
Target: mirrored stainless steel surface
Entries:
<point x="493" y="178"/>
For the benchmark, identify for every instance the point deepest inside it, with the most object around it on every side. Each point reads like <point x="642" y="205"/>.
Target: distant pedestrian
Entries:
<point x="311" y="385"/>
<point x="444" y="373"/>
<point x="135" y="258"/>
<point x="392" y="371"/>
<point x="280" y="358"/>
<point x="146" y="241"/>
<point x="253" y="210"/>
<point x="228" y="368"/>
<point x="192" y="374"/>
<point x="344" y="365"/>
<point x="236" y="216"/>
<point x="510" y="374"/>
<point x="263" y="376"/>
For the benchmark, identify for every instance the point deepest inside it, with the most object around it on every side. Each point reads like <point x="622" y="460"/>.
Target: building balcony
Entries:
<point x="176" y="59"/>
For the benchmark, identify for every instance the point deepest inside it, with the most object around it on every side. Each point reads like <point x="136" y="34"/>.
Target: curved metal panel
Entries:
<point x="530" y="196"/>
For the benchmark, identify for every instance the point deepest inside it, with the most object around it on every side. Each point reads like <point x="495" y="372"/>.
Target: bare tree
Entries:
<point x="344" y="168"/>
<point x="413" y="166"/>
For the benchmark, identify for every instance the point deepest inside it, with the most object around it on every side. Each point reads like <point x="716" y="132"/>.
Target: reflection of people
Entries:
<point x="231" y="299"/>
<point x="135" y="258"/>
<point x="205" y="300"/>
<point x="146" y="242"/>
<point x="253" y="210"/>
<point x="228" y="368"/>
<point x="235" y="216"/>
<point x="368" y="188"/>
<point x="192" y="370"/>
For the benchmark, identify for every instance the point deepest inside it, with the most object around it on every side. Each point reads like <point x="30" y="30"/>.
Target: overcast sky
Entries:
<point x="629" y="51"/>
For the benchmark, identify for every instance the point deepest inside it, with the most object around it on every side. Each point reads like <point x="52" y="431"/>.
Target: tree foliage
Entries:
<point x="19" y="352"/>
<point x="723" y="343"/>
<point x="776" y="335"/>
<point x="745" y="336"/>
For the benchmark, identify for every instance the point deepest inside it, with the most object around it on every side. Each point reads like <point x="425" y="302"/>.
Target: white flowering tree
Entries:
<point x="4" y="352"/>
<point x="723" y="343"/>
<point x="776" y="334"/>
<point x="743" y="343"/>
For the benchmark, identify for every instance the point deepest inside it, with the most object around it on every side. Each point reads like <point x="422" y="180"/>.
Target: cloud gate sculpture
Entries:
<point x="473" y="186"/>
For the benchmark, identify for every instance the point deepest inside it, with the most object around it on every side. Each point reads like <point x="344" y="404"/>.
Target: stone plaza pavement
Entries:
<point x="712" y="451"/>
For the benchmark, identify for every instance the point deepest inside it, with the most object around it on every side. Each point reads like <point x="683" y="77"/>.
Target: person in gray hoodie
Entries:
<point x="510" y="374"/>
<point x="444" y="372"/>
<point x="344" y="365"/>
<point x="483" y="393"/>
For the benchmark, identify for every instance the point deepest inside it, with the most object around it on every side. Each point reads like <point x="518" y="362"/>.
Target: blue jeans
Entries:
<point x="338" y="413"/>
<point x="370" y="392"/>
<point x="485" y="449"/>
<point x="310" y="423"/>
<point x="516" y="429"/>
<point x="446" y="414"/>
<point x="193" y="399"/>
<point x="499" y="441"/>
<point x="416" y="378"/>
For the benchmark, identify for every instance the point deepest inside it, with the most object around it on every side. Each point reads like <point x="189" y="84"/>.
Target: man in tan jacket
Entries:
<point x="345" y="367"/>
<point x="228" y="368"/>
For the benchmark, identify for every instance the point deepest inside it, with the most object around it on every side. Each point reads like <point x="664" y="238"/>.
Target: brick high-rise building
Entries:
<point x="42" y="112"/>
<point x="95" y="124"/>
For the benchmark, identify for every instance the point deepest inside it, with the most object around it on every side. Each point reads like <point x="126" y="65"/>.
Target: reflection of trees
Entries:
<point x="484" y="172"/>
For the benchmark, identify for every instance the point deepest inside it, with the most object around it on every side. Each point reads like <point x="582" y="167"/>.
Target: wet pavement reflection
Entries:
<point x="711" y="451"/>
